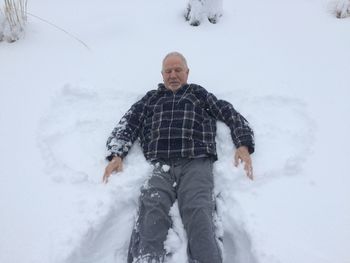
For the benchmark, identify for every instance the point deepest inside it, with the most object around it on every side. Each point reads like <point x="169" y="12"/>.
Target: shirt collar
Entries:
<point x="161" y="87"/>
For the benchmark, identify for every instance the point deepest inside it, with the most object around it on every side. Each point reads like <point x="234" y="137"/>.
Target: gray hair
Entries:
<point x="177" y="54"/>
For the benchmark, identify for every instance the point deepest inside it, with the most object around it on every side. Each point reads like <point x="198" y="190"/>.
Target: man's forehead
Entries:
<point x="173" y="58"/>
<point x="173" y="61"/>
<point x="174" y="65"/>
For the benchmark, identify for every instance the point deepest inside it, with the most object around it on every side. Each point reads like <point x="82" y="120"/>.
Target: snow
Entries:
<point x="283" y="64"/>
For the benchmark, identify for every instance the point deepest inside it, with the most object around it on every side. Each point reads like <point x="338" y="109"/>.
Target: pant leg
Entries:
<point x="153" y="221"/>
<point x="197" y="205"/>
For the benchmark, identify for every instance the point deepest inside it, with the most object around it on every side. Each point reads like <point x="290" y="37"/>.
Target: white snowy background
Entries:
<point x="285" y="65"/>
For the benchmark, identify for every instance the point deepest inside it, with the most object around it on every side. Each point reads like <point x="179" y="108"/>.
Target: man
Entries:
<point x="176" y="126"/>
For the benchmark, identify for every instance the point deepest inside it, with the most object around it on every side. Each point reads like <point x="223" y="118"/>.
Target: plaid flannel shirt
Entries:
<point x="176" y="125"/>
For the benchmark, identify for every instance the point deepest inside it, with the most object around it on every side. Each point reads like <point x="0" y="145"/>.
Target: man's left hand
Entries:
<point x="242" y="155"/>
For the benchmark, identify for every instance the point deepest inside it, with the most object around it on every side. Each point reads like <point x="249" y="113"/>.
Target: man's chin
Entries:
<point x="174" y="86"/>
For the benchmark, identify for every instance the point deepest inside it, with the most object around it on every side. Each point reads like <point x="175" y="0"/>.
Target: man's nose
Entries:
<point x="172" y="74"/>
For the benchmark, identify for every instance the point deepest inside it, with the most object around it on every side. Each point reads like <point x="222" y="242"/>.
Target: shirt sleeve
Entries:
<point x="127" y="130"/>
<point x="241" y="133"/>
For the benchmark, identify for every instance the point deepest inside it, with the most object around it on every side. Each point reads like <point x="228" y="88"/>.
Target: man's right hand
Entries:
<point x="115" y="165"/>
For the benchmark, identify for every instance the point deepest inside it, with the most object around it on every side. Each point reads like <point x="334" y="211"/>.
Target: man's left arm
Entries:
<point x="241" y="133"/>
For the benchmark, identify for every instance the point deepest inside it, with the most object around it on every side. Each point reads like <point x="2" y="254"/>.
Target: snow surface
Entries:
<point x="283" y="64"/>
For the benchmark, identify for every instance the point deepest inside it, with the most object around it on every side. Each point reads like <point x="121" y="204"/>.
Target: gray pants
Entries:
<point x="190" y="181"/>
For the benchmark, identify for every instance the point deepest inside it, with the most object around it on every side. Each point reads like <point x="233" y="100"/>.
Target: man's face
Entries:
<point x="175" y="73"/>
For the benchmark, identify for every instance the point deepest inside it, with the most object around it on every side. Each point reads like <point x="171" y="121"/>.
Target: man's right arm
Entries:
<point x="123" y="136"/>
<point x="121" y="139"/>
<point x="127" y="130"/>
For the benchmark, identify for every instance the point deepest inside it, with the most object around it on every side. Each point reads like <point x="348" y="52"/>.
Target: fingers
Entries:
<point x="236" y="161"/>
<point x="120" y="167"/>
<point x="248" y="166"/>
<point x="105" y="177"/>
<point x="107" y="174"/>
<point x="243" y="155"/>
<point x="249" y="170"/>
<point x="116" y="165"/>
